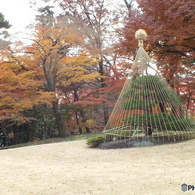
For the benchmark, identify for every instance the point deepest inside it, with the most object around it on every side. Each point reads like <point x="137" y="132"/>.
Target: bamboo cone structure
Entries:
<point x="147" y="108"/>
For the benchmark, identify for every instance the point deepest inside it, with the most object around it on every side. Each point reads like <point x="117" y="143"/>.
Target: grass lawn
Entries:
<point x="54" y="140"/>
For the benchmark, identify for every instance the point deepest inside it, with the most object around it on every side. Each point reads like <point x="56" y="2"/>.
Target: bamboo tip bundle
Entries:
<point x="140" y="34"/>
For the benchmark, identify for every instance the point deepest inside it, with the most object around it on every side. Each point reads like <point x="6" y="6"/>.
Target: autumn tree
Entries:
<point x="59" y="62"/>
<point x="19" y="90"/>
<point x="99" y="26"/>
<point x="4" y="24"/>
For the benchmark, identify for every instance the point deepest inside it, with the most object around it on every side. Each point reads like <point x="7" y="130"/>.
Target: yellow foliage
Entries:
<point x="33" y="78"/>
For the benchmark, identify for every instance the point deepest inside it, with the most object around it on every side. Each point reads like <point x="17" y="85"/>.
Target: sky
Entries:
<point x="18" y="13"/>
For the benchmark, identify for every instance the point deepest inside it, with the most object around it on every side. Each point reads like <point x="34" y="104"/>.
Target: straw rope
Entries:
<point x="147" y="107"/>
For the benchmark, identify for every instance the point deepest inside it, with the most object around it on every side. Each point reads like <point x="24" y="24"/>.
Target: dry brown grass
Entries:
<point x="70" y="168"/>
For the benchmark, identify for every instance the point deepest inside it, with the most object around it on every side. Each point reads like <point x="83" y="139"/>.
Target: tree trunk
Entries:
<point x="30" y="134"/>
<point x="103" y="85"/>
<point x="32" y="125"/>
<point x="162" y="106"/>
<point x="88" y="130"/>
<point x="76" y="98"/>
<point x="148" y="127"/>
<point x="10" y="132"/>
<point x="60" y="123"/>
<point x="61" y="126"/>
<point x="148" y="130"/>
<point x="105" y="111"/>
<point x="78" y="124"/>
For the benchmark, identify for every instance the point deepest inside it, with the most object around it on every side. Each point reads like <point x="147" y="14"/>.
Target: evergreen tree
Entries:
<point x="154" y="106"/>
<point x="4" y="23"/>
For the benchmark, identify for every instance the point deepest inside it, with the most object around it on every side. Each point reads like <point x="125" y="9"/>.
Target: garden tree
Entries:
<point x="46" y="16"/>
<point x="186" y="87"/>
<point x="88" y="96"/>
<point x="87" y="100"/>
<point x="129" y="6"/>
<point x="153" y="105"/>
<point x="171" y="24"/>
<point x="77" y="86"/>
<point x="80" y="105"/>
<point x="4" y="24"/>
<point x="114" y="81"/>
<point x="19" y="90"/>
<point x="44" y="126"/>
<point x="47" y="19"/>
<point x="94" y="21"/>
<point x="56" y="60"/>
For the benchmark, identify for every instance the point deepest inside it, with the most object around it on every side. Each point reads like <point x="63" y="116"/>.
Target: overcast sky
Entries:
<point x="18" y="13"/>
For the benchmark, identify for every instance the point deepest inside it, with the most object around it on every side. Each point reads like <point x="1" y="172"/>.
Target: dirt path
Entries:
<point x="70" y="168"/>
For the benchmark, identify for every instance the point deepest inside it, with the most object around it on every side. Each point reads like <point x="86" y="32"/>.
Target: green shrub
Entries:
<point x="95" y="141"/>
<point x="118" y="135"/>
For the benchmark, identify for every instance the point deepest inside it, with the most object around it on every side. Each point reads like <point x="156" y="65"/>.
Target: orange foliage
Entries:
<point x="45" y="69"/>
<point x="19" y="89"/>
